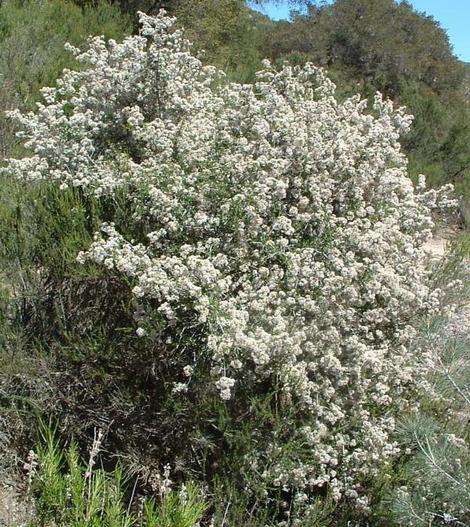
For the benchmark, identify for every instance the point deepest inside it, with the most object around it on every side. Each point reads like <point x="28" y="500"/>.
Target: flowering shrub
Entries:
<point x="274" y="218"/>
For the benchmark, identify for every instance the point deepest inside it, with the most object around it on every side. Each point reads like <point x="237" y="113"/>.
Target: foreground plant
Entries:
<point x="273" y="224"/>
<point x="435" y="485"/>
<point x="70" y="493"/>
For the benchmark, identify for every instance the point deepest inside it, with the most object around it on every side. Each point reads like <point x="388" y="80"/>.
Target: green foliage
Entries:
<point x="385" y="41"/>
<point x="430" y="484"/>
<point x="33" y="34"/>
<point x="435" y="486"/>
<point x="175" y="511"/>
<point x="228" y="32"/>
<point x="70" y="493"/>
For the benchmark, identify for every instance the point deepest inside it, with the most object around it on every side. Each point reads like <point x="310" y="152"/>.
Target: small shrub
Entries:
<point x="70" y="493"/>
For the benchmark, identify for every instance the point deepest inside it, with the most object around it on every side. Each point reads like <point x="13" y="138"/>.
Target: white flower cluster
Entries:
<point x="282" y="222"/>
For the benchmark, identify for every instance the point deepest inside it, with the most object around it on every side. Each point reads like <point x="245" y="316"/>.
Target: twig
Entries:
<point x="132" y="495"/>
<point x="454" y="384"/>
<point x="225" y="514"/>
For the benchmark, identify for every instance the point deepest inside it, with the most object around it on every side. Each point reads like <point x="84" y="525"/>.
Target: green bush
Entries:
<point x="70" y="493"/>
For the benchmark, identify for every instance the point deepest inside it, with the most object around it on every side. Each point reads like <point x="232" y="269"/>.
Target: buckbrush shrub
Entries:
<point x="274" y="218"/>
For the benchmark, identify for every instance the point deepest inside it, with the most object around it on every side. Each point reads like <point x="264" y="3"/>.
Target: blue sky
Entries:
<point x="453" y="15"/>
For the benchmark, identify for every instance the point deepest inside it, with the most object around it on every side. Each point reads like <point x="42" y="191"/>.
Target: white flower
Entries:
<point x="279" y="221"/>
<point x="180" y="387"/>
<point x="188" y="370"/>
